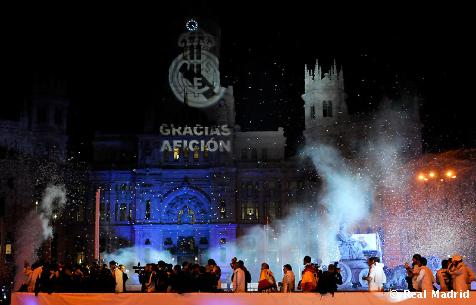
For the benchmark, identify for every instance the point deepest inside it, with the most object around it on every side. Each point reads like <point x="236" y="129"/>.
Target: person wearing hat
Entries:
<point x="461" y="275"/>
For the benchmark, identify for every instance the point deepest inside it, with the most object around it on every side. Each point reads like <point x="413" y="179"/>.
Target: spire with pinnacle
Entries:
<point x="317" y="71"/>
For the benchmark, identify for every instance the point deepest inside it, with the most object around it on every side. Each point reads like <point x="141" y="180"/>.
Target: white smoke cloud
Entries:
<point x="36" y="228"/>
<point x="131" y="256"/>
<point x="346" y="197"/>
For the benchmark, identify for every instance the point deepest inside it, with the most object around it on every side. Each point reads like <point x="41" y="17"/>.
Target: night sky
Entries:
<point x="114" y="62"/>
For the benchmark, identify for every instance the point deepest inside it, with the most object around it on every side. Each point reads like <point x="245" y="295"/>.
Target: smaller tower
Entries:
<point x="324" y="103"/>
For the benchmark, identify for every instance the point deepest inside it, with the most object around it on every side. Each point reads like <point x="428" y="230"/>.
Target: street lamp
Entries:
<point x="432" y="174"/>
<point x="450" y="174"/>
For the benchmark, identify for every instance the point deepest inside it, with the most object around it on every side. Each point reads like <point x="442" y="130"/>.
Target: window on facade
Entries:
<point x="147" y="242"/>
<point x="272" y="209"/>
<point x="80" y="257"/>
<point x="249" y="211"/>
<point x="58" y="117"/>
<point x="313" y="112"/>
<point x="250" y="189"/>
<point x="256" y="190"/>
<point x="264" y="154"/>
<point x="123" y="212"/>
<point x="205" y="152"/>
<point x="123" y="187"/>
<point x="116" y="211"/>
<point x="176" y="153"/>
<point x="244" y="154"/>
<point x="108" y="212"/>
<point x="102" y="210"/>
<point x="165" y="155"/>
<point x="196" y="153"/>
<point x="147" y="209"/>
<point x="327" y="109"/>
<point x="223" y="241"/>
<point x="168" y="241"/>
<point x="129" y="217"/>
<point x="222" y="209"/>
<point x="252" y="213"/>
<point x="42" y="114"/>
<point x="203" y="241"/>
<point x="254" y="154"/>
<point x="186" y="153"/>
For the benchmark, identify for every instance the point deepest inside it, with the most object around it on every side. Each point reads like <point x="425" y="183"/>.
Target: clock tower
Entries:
<point x="324" y="105"/>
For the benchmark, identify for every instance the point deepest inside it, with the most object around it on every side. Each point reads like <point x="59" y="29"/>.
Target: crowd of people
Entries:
<point x="162" y="277"/>
<point x="453" y="275"/>
<point x="55" y="277"/>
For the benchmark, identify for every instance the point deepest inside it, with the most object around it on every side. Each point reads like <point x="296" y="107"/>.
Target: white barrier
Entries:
<point x="340" y="298"/>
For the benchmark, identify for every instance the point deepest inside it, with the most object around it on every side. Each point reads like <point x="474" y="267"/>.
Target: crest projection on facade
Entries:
<point x="194" y="75"/>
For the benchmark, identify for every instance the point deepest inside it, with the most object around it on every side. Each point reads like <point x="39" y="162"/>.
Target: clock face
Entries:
<point x="192" y="25"/>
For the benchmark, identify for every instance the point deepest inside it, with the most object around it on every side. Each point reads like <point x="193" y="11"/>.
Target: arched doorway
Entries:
<point x="186" y="220"/>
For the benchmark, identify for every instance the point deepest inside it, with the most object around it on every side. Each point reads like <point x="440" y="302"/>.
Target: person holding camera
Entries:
<point x="330" y="279"/>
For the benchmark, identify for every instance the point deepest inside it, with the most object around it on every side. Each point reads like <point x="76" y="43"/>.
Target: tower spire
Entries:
<point x="317" y="71"/>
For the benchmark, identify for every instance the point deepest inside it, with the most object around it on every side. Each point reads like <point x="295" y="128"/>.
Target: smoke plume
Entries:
<point x="36" y="228"/>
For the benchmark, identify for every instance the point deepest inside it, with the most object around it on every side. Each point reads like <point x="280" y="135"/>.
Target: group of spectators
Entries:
<point x="56" y="277"/>
<point x="453" y="275"/>
<point x="162" y="277"/>
<point x="313" y="279"/>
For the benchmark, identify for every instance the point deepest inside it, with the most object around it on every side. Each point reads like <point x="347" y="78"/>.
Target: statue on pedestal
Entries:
<point x="349" y="247"/>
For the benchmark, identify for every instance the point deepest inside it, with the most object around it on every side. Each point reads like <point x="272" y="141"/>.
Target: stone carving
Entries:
<point x="349" y="248"/>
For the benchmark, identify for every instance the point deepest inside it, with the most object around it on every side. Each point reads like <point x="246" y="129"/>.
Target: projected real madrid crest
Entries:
<point x="194" y="76"/>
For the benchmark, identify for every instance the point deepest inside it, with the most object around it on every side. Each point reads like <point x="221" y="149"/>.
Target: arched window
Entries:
<point x="116" y="210"/>
<point x="244" y="154"/>
<point x="327" y="108"/>
<point x="176" y="153"/>
<point x="222" y="209"/>
<point x="250" y="189"/>
<point x="313" y="112"/>
<point x="165" y="155"/>
<point x="324" y="108"/>
<point x="147" y="209"/>
<point x="147" y="242"/>
<point x="123" y="212"/>
<point x="254" y="154"/>
<point x="108" y="212"/>
<point x="196" y="154"/>
<point x="186" y="153"/>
